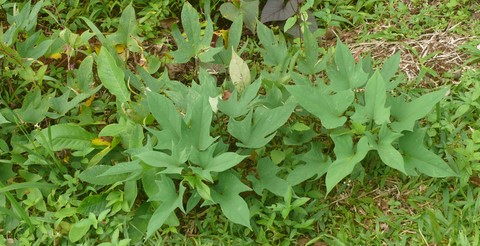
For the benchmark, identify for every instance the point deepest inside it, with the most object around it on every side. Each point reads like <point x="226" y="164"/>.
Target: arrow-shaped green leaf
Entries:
<point x="388" y="154"/>
<point x="235" y="107"/>
<point x="167" y="194"/>
<point x="345" y="74"/>
<point x="407" y="113"/>
<point x="226" y="193"/>
<point x="197" y="125"/>
<point x="328" y="107"/>
<point x="268" y="179"/>
<point x="167" y="116"/>
<point x="315" y="164"/>
<point x="257" y="133"/>
<point x="417" y="157"/>
<point x="346" y="158"/>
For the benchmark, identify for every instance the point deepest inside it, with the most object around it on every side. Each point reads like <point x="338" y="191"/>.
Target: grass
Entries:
<point x="374" y="206"/>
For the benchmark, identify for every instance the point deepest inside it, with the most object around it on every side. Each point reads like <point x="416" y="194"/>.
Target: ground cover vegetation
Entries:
<point x="240" y="122"/>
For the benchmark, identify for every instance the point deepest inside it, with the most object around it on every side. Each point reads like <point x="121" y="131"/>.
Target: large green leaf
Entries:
<point x="347" y="158"/>
<point x="34" y="107"/>
<point x="170" y="200"/>
<point x="185" y="51"/>
<point x="65" y="136"/>
<point x="191" y="24"/>
<point x="32" y="48"/>
<point x="112" y="76"/>
<point x="231" y="42"/>
<point x="328" y="107"/>
<point x="138" y="225"/>
<point x="268" y="179"/>
<point x="418" y="157"/>
<point x="197" y="124"/>
<point x="93" y="175"/>
<point x="258" y="127"/>
<point x="389" y="68"/>
<point x="274" y="52"/>
<point x="383" y="143"/>
<point x="345" y="74"/>
<point x="375" y="99"/>
<point x="61" y="105"/>
<point x="235" y="107"/>
<point x="247" y="9"/>
<point x="79" y="229"/>
<point x="226" y="193"/>
<point x="405" y="114"/>
<point x="310" y="63"/>
<point x="173" y="164"/>
<point x="93" y="204"/>
<point x="315" y="164"/>
<point x="167" y="116"/>
<point x="195" y="43"/>
<point x="215" y="163"/>
<point x="127" y="29"/>
<point x="130" y="168"/>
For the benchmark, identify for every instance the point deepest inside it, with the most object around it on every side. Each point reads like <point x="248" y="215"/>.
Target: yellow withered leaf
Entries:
<point x="120" y="48"/>
<point x="55" y="56"/>
<point x="100" y="142"/>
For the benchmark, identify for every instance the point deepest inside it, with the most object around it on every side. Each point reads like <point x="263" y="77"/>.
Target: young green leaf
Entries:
<point x="375" y="99"/>
<point x="231" y="42"/>
<point x="346" y="158"/>
<point x="196" y="183"/>
<point x="328" y="107"/>
<point x="289" y="23"/>
<point x="112" y="76"/>
<point x="418" y="157"/>
<point x="61" y="105"/>
<point x="226" y="193"/>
